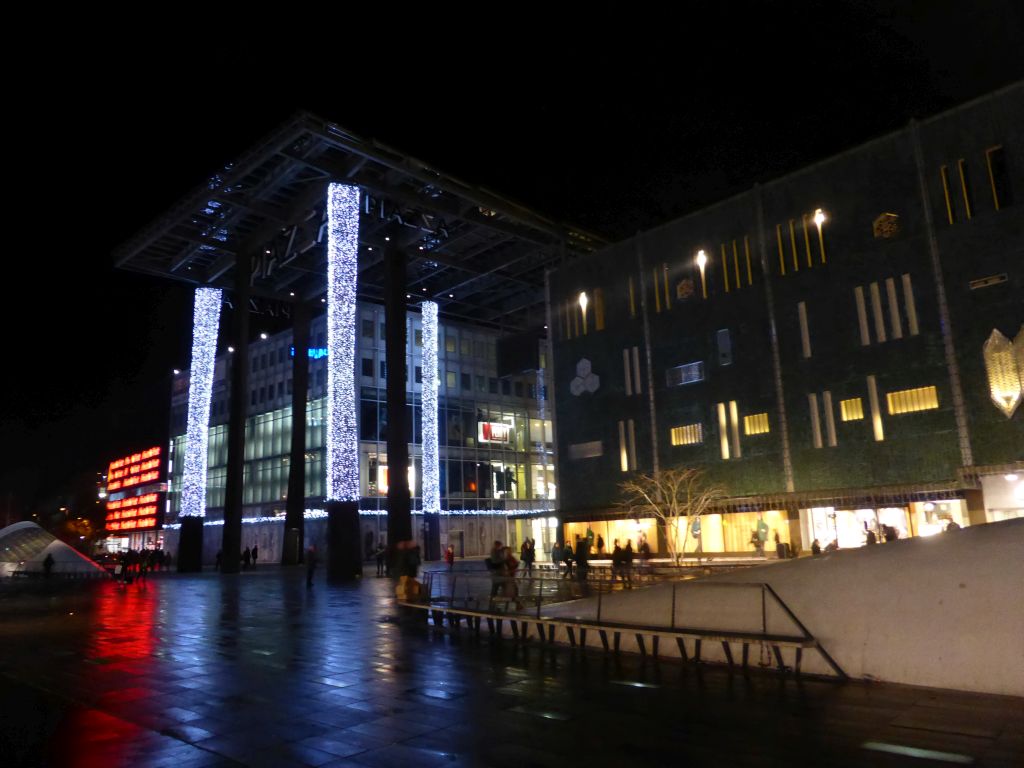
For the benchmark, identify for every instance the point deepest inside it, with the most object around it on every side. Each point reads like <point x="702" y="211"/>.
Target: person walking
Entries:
<point x="246" y="557"/>
<point x="48" y="565"/>
<point x="381" y="558"/>
<point x="616" y="561"/>
<point x="556" y="554"/>
<point x="449" y="557"/>
<point x="496" y="565"/>
<point x="568" y="557"/>
<point x="255" y="554"/>
<point x="528" y="556"/>
<point x="217" y="560"/>
<point x="627" y="563"/>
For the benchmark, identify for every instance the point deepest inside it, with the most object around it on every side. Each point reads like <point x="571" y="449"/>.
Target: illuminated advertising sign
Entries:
<point x="132" y="480"/>
<point x="493" y="432"/>
<point x="138" y="469"/>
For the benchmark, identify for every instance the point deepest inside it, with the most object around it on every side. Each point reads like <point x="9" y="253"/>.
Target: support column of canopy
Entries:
<point x="231" y="547"/>
<point x="294" y="521"/>
<point x="342" y="449"/>
<point x="205" y="324"/>
<point x="431" y="475"/>
<point x="399" y="497"/>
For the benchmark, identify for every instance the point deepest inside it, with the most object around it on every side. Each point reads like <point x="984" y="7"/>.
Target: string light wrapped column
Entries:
<point x="431" y="470"/>
<point x="342" y="449"/>
<point x="205" y="325"/>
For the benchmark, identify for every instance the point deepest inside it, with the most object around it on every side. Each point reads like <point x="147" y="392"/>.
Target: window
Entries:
<point x="688" y="434"/>
<point x="755" y="424"/>
<point x="467" y="382"/>
<point x="383" y="369"/>
<point x="812" y="403"/>
<point x="908" y="302"/>
<point x="876" y="413"/>
<point x="685" y="374"/>
<point x="367" y="328"/>
<point x="805" y="332"/>
<point x="419" y="374"/>
<point x="944" y="173"/>
<point x="998" y="178"/>
<point x="961" y="167"/>
<point x="289" y="387"/>
<point x="851" y="410"/>
<point x="465" y="348"/>
<point x="506" y="387"/>
<point x="481" y="383"/>
<point x="862" y="316"/>
<point x="479" y="350"/>
<point x="450" y="380"/>
<point x="280" y="389"/>
<point x="252" y="400"/>
<point x="367" y="367"/>
<point x="724" y="347"/>
<point x="449" y="343"/>
<point x="518" y="388"/>
<point x="418" y="337"/>
<point x="598" y="309"/>
<point x="492" y="385"/>
<point x="912" y="400"/>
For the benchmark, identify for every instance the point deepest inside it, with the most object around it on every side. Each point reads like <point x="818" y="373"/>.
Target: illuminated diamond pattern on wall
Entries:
<point x="1003" y="368"/>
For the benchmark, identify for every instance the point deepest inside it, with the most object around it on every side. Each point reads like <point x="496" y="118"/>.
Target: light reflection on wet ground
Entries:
<point x="256" y="670"/>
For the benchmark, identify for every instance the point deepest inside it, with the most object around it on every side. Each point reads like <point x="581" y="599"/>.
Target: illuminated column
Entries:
<point x="205" y="323"/>
<point x="431" y="460"/>
<point x="342" y="450"/>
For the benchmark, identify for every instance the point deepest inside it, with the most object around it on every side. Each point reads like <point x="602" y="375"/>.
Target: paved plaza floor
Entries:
<point x="254" y="669"/>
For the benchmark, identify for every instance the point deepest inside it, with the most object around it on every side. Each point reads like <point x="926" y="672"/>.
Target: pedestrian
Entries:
<point x="616" y="561"/>
<point x="311" y="559"/>
<point x="582" y="566"/>
<point x="496" y="565"/>
<point x="48" y="565"/>
<point x="833" y="546"/>
<point x="449" y="557"/>
<point x="815" y="548"/>
<point x="871" y="538"/>
<point x="600" y="544"/>
<point x="556" y="554"/>
<point x="528" y="557"/>
<point x="510" y="565"/>
<point x="381" y="557"/>
<point x="255" y="553"/>
<point x="780" y="548"/>
<point x="217" y="560"/>
<point x="567" y="558"/>
<point x="645" y="556"/>
<point x="627" y="563"/>
<point x="246" y="557"/>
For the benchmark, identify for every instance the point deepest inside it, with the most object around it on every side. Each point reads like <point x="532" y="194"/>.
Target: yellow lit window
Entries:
<point x="852" y="409"/>
<point x="755" y="424"/>
<point x="912" y="400"/>
<point x="688" y="434"/>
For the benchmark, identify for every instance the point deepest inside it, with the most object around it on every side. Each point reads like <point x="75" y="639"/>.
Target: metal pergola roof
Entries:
<point x="480" y="256"/>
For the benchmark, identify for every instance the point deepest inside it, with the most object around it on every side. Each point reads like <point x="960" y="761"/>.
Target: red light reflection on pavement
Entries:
<point x="88" y="738"/>
<point x="123" y="639"/>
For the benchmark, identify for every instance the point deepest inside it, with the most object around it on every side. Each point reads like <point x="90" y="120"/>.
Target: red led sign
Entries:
<point x="133" y="513"/>
<point x="137" y="469"/>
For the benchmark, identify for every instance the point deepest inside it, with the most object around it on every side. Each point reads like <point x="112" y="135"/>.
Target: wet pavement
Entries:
<point x="203" y="670"/>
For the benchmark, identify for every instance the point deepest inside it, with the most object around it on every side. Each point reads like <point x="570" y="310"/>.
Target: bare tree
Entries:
<point x="671" y="495"/>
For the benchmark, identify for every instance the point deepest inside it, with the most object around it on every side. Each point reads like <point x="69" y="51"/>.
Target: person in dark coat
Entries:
<point x="246" y="557"/>
<point x="255" y="552"/>
<point x="48" y="565"/>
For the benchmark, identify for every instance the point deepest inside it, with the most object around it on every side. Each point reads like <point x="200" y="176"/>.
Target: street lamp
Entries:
<point x="583" y="307"/>
<point x="819" y="219"/>
<point x="702" y="260"/>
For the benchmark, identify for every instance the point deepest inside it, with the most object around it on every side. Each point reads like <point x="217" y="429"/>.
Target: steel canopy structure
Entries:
<point x="480" y="256"/>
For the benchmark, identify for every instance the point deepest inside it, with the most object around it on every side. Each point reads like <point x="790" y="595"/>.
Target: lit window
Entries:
<point x="755" y="424"/>
<point x="450" y="380"/>
<point x="688" y="434"/>
<point x="685" y="374"/>
<point x="449" y="343"/>
<point x="852" y="409"/>
<point x="912" y="400"/>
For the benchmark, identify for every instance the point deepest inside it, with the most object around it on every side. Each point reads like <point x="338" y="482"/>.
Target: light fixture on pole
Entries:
<point x="819" y="219"/>
<point x="583" y="308"/>
<point x="702" y="260"/>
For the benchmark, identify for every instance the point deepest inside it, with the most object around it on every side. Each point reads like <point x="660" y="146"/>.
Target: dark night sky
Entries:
<point x="613" y="119"/>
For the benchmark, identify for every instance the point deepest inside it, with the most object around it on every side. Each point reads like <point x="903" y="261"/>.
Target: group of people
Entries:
<point x="136" y="563"/>
<point x="247" y="558"/>
<point x="621" y="556"/>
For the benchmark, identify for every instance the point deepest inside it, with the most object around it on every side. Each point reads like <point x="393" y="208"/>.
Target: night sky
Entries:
<point x="610" y="118"/>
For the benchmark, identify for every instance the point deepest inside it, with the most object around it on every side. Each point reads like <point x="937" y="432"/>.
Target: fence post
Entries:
<point x="764" y="613"/>
<point x="599" y="592"/>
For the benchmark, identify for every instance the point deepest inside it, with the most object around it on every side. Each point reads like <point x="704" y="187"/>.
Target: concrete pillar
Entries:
<point x="231" y="547"/>
<point x="293" y="545"/>
<point x="399" y="501"/>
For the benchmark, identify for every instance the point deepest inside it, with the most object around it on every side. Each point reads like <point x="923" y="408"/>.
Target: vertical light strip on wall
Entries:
<point x="736" y="263"/>
<point x="725" y="268"/>
<point x="205" y="324"/>
<point x="734" y="418"/>
<point x="862" y="316"/>
<point x="657" y="294"/>
<point x="664" y="277"/>
<point x="807" y="241"/>
<point x="428" y="397"/>
<point x="723" y="431"/>
<point x="623" y="456"/>
<point x="782" y="253"/>
<point x="632" y="444"/>
<point x="342" y="269"/>
<point x="792" y="245"/>
<point x="894" y="309"/>
<point x="876" y="311"/>
<point x="908" y="302"/>
<point x="746" y="249"/>
<point x="944" y="173"/>
<point x="632" y="298"/>
<point x="830" y="419"/>
<point x="805" y="335"/>
<point x="812" y="404"/>
<point x="991" y="174"/>
<point x="963" y="186"/>
<point x="637" y="381"/>
<point x="625" y="370"/>
<point x="876" y="414"/>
